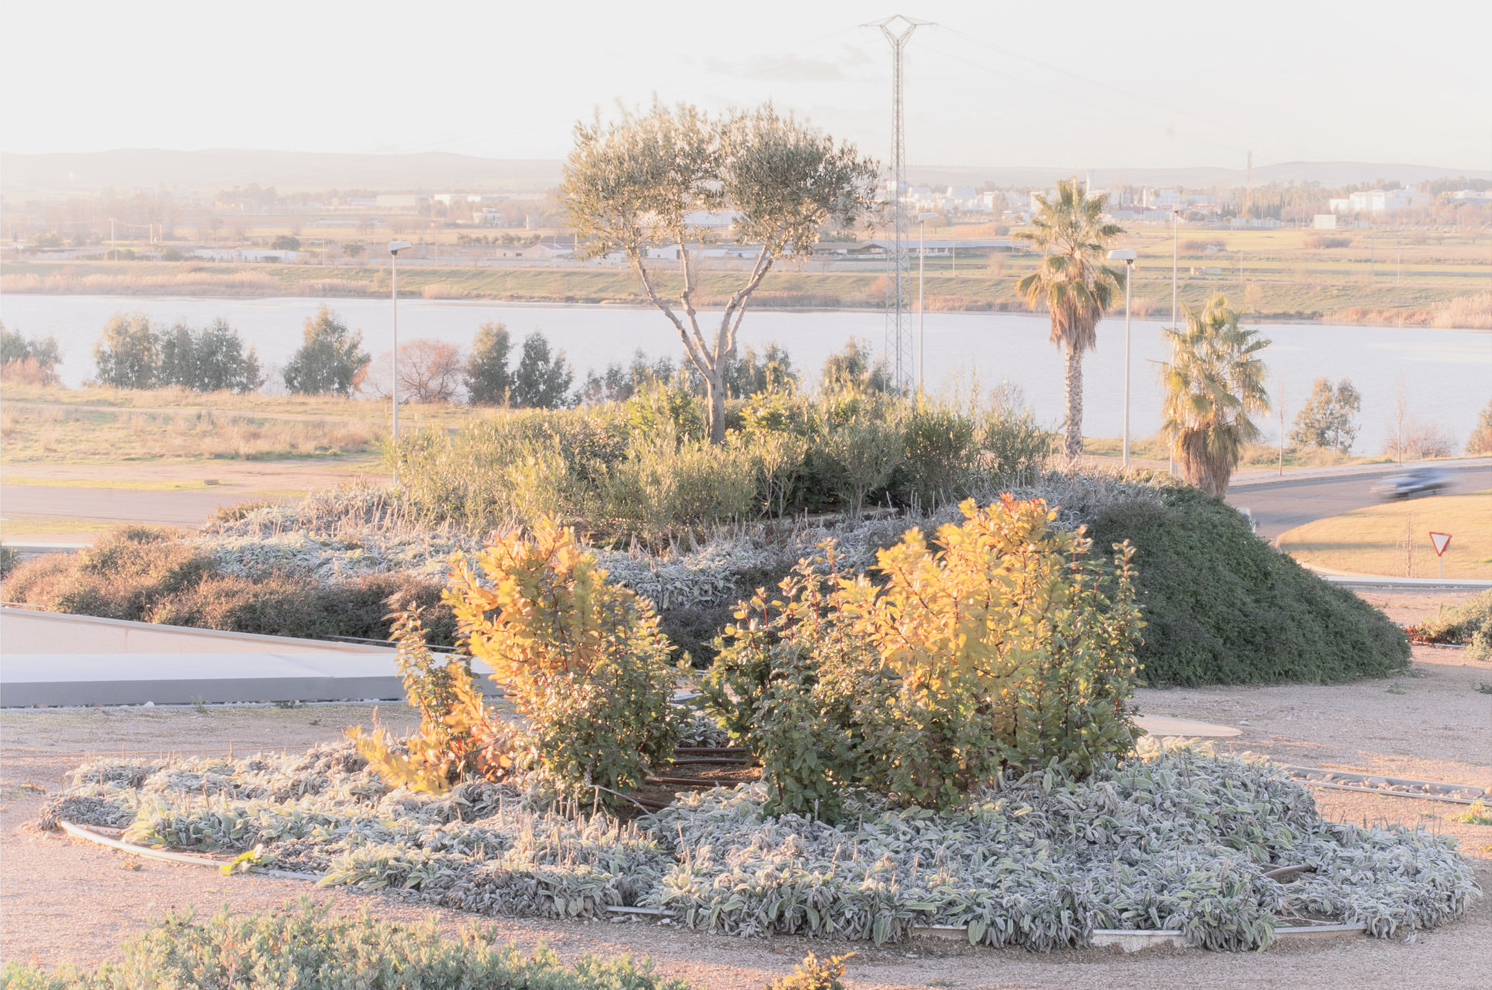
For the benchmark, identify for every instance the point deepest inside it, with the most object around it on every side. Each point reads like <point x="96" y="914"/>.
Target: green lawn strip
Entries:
<point x="34" y="527"/>
<point x="126" y="484"/>
<point x="1373" y="540"/>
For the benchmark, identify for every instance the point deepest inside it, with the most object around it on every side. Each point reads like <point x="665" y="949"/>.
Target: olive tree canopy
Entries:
<point x="647" y="181"/>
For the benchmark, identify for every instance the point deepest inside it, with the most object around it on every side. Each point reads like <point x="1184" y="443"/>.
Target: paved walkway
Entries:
<point x="48" y="658"/>
<point x="52" y="660"/>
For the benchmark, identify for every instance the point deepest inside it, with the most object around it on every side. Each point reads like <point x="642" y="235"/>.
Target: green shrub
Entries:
<point x="9" y="558"/>
<point x="1221" y="606"/>
<point x="942" y="446"/>
<point x="1469" y="623"/>
<point x="665" y="488"/>
<point x="306" y="947"/>
<point x="582" y="658"/>
<point x="814" y="973"/>
<point x="995" y="649"/>
<point x="642" y="470"/>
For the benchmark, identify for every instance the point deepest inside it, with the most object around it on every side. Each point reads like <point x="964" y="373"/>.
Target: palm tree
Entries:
<point x="1075" y="287"/>
<point x="1214" y="380"/>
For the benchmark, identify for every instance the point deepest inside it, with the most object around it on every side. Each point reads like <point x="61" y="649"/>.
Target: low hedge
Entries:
<point x="306" y="947"/>
<point x="148" y="574"/>
<point x="1222" y="606"/>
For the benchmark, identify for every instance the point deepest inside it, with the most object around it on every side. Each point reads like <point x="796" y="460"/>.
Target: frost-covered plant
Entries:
<point x="305" y="946"/>
<point x="582" y="657"/>
<point x="1175" y="839"/>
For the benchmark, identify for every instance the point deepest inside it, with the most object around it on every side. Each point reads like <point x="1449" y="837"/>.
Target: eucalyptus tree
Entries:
<point x="1212" y="383"/>
<point x="1072" y="282"/>
<point x="646" y="182"/>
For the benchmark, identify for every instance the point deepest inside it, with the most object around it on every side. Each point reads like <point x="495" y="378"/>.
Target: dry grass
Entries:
<point x="52" y="432"/>
<point x="1255" y="456"/>
<point x="1468" y="312"/>
<point x="1393" y="538"/>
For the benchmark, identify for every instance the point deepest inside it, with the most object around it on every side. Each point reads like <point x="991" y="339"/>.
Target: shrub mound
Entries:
<point x="1222" y="606"/>
<point x="305" y="946"/>
<point x="1176" y="839"/>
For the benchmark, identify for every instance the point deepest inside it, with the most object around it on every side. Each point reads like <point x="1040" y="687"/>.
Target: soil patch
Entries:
<point x="60" y="898"/>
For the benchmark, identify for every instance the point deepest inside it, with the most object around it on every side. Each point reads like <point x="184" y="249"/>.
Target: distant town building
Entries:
<point x="1373" y="201"/>
<point x="1324" y="221"/>
<point x="1160" y="198"/>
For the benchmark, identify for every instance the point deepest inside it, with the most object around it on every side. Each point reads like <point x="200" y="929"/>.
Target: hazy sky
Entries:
<point x="1066" y="84"/>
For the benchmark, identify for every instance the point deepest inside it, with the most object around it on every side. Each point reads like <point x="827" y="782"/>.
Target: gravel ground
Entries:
<point x="61" y="898"/>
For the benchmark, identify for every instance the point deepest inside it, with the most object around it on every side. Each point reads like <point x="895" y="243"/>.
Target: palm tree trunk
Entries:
<point x="1073" y="386"/>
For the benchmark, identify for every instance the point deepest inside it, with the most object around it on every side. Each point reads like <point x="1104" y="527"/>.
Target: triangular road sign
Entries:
<point x="1441" y="541"/>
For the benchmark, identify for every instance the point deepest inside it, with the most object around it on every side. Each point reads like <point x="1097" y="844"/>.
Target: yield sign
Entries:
<point x="1441" y="541"/>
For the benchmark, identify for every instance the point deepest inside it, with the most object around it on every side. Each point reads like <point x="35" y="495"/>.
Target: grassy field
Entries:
<point x="51" y="424"/>
<point x="1255" y="456"/>
<point x="1410" y="277"/>
<point x="1392" y="539"/>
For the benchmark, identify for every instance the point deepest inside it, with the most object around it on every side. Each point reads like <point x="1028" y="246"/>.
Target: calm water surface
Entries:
<point x="1448" y="373"/>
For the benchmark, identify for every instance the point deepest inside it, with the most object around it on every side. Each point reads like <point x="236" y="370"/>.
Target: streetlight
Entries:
<point x="1175" y="219"/>
<point x="1175" y="215"/>
<point x="922" y="219"/>
<point x="394" y="248"/>
<point x="1126" y="255"/>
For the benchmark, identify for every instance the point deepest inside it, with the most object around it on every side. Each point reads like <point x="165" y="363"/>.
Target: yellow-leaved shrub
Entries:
<point x="1001" y="645"/>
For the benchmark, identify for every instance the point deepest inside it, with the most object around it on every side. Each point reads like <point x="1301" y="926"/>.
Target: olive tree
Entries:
<point x="644" y="182"/>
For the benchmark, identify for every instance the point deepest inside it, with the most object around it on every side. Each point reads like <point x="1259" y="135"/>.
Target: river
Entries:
<point x="1447" y="374"/>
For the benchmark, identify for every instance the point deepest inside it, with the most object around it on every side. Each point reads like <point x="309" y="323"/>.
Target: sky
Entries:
<point x="1061" y="84"/>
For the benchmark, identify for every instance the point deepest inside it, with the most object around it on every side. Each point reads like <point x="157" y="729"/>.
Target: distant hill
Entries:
<point x="288" y="171"/>
<point x="1325" y="173"/>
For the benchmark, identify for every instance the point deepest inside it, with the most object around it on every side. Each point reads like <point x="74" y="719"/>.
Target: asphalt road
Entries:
<point x="1278" y="506"/>
<point x="174" y="508"/>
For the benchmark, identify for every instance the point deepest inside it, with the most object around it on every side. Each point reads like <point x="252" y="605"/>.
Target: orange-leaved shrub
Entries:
<point x="582" y="659"/>
<point x="1004" y="645"/>
<point x="457" y="736"/>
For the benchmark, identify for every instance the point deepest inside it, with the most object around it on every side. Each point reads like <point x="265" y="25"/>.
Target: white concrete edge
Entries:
<point x="1353" y="577"/>
<point x="272" y="644"/>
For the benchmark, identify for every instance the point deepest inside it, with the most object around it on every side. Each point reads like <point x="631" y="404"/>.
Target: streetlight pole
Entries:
<point x="394" y="248"/>
<point x="1175" y="254"/>
<point x="1126" y="255"/>
<point x="922" y="219"/>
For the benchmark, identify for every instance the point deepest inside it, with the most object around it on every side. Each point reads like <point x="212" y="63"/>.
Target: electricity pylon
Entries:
<point x="899" y="344"/>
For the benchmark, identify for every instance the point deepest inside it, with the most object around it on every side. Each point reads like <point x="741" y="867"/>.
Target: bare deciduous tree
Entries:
<point x="429" y="371"/>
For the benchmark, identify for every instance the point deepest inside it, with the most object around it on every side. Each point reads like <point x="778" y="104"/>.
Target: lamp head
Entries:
<point x="924" y="217"/>
<point x="396" y="246"/>
<point x="1126" y="255"/>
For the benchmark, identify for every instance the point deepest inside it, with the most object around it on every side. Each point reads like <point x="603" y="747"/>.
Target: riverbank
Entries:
<point x="1434" y="299"/>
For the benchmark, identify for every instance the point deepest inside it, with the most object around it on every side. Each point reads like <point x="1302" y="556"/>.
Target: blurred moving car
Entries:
<point x="1415" y="481"/>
